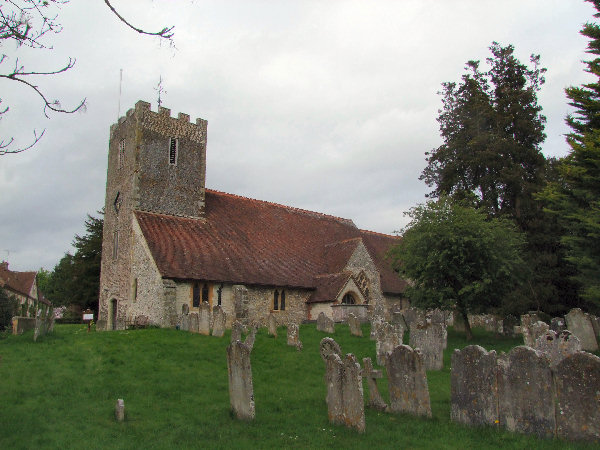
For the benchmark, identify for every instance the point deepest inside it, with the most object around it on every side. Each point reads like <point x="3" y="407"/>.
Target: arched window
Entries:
<point x="348" y="299"/>
<point x="196" y="295"/>
<point x="205" y="292"/>
<point x="282" y="303"/>
<point x="276" y="300"/>
<point x="219" y="292"/>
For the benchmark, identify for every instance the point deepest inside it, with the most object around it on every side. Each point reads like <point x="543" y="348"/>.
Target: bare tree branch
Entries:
<point x="166" y="33"/>
<point x="4" y="147"/>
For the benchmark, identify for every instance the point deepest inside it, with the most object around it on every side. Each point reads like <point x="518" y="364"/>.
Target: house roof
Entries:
<point x="21" y="282"/>
<point x="249" y="241"/>
<point x="328" y="287"/>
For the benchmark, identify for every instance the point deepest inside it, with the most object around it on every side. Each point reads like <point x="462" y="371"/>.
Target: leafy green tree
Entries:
<point x="76" y="278"/>
<point x="574" y="198"/>
<point x="8" y="309"/>
<point x="457" y="257"/>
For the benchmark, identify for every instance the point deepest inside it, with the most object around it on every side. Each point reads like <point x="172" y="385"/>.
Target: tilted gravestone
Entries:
<point x="473" y="386"/>
<point x="329" y="346"/>
<point x="557" y="346"/>
<point x="193" y="322"/>
<point x="580" y="325"/>
<point x="241" y="390"/>
<point x="577" y="381"/>
<point x="272" y="324"/>
<point x="218" y="321"/>
<point x="558" y="324"/>
<point x="431" y="338"/>
<point x="376" y="401"/>
<point x="345" y="401"/>
<point x="325" y="324"/>
<point x="407" y="382"/>
<point x="293" y="336"/>
<point x="525" y="401"/>
<point x="388" y="338"/>
<point x="204" y="319"/>
<point x="354" y="324"/>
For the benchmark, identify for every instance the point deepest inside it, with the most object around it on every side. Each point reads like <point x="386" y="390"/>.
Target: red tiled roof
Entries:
<point x="378" y="246"/>
<point x="21" y="282"/>
<point x="248" y="241"/>
<point x="328" y="287"/>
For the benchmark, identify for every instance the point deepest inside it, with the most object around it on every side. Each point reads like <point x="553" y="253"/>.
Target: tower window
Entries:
<point x="134" y="289"/>
<point x="121" y="153"/>
<point x="115" y="244"/>
<point x="173" y="147"/>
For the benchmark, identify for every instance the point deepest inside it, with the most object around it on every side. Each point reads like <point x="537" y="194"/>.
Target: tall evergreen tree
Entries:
<point x="575" y="197"/>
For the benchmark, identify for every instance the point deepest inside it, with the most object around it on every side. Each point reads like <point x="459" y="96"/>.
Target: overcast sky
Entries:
<point x="324" y="105"/>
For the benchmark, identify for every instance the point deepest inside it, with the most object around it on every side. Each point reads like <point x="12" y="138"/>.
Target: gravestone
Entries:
<point x="240" y="302"/>
<point x="595" y="324"/>
<point x="325" y="324"/>
<point x="184" y="323"/>
<point x="329" y="346"/>
<point x="558" y="324"/>
<point x="204" y="319"/>
<point x="376" y="322"/>
<point x="185" y="309"/>
<point x="473" y="386"/>
<point x="407" y="382"/>
<point x="508" y="325"/>
<point x="580" y="325"/>
<point x="52" y="320"/>
<point x="101" y="325"/>
<point x="525" y="400"/>
<point x="193" y="322"/>
<point x="354" y="324"/>
<point x="533" y="330"/>
<point x="120" y="410"/>
<point x="376" y="401"/>
<point x="437" y="316"/>
<point x="526" y="321"/>
<point x="251" y="337"/>
<point x="241" y="390"/>
<point x="557" y="346"/>
<point x="459" y="322"/>
<point x="237" y="328"/>
<point x="413" y="315"/>
<point x="431" y="339"/>
<point x="293" y="337"/>
<point x="333" y="379"/>
<point x="398" y="319"/>
<point x="218" y="321"/>
<point x="577" y="379"/>
<point x="272" y="324"/>
<point x="388" y="338"/>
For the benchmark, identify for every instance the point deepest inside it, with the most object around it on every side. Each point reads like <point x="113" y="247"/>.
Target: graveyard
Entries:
<point x="61" y="391"/>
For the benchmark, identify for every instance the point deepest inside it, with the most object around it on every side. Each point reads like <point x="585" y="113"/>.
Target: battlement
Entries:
<point x="162" y="122"/>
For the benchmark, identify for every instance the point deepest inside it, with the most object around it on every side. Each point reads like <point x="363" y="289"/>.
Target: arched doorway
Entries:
<point x="112" y="314"/>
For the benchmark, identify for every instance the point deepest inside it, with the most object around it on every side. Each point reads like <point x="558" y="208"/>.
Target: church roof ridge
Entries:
<point x="376" y="233"/>
<point x="287" y="207"/>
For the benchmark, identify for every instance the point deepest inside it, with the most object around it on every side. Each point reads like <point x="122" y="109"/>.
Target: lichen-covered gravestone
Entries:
<point x="329" y="346"/>
<point x="580" y="325"/>
<point x="557" y="346"/>
<point x="193" y="322"/>
<point x="218" y="321"/>
<point x="376" y="322"/>
<point x="388" y="338"/>
<point x="354" y="324"/>
<point x="204" y="319"/>
<point x="293" y="337"/>
<point x="120" y="410"/>
<point x="526" y="403"/>
<point x="431" y="338"/>
<point x="558" y="324"/>
<point x="577" y="379"/>
<point x="272" y="325"/>
<point x="237" y="328"/>
<point x="241" y="390"/>
<point x="407" y="382"/>
<point x="473" y="386"/>
<point x="325" y="324"/>
<point x="526" y="321"/>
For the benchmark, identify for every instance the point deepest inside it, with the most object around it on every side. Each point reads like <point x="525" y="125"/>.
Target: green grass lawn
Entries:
<point x="60" y="392"/>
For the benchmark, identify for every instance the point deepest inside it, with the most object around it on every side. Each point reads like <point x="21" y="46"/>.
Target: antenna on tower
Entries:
<point x="120" y="84"/>
<point x="159" y="88"/>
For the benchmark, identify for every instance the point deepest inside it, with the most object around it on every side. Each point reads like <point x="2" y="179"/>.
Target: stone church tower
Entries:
<point x="156" y="163"/>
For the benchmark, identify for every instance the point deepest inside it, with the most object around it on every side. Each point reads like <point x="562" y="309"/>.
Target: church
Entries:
<point x="170" y="244"/>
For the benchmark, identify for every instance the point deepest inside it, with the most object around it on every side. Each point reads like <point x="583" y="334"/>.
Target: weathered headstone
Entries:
<point x="580" y="325"/>
<point x="240" y="302"/>
<point x="525" y="401"/>
<point x="193" y="322"/>
<point x="204" y="319"/>
<point x="354" y="324"/>
<point x="218" y="321"/>
<point x="413" y="315"/>
<point x="577" y="379"/>
<point x="431" y="339"/>
<point x="526" y="321"/>
<point x="376" y="322"/>
<point x="329" y="346"/>
<point x="185" y="309"/>
<point x="241" y="390"/>
<point x="120" y="410"/>
<point x="473" y="386"/>
<point x="557" y="346"/>
<point x="398" y="319"/>
<point x="251" y="337"/>
<point x="184" y="322"/>
<point x="352" y="394"/>
<point x="558" y="324"/>
<point x="376" y="401"/>
<point x="237" y="328"/>
<point x="272" y="324"/>
<point x="533" y="330"/>
<point x="388" y="338"/>
<point x="325" y="324"/>
<point x="334" y="369"/>
<point x="436" y="316"/>
<point x="293" y="337"/>
<point x="407" y="382"/>
<point x="595" y="324"/>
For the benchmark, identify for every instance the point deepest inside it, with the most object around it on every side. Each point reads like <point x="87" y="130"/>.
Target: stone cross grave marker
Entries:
<point x="376" y="401"/>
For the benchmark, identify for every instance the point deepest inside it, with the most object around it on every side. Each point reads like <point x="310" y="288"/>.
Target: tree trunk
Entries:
<point x="467" y="324"/>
